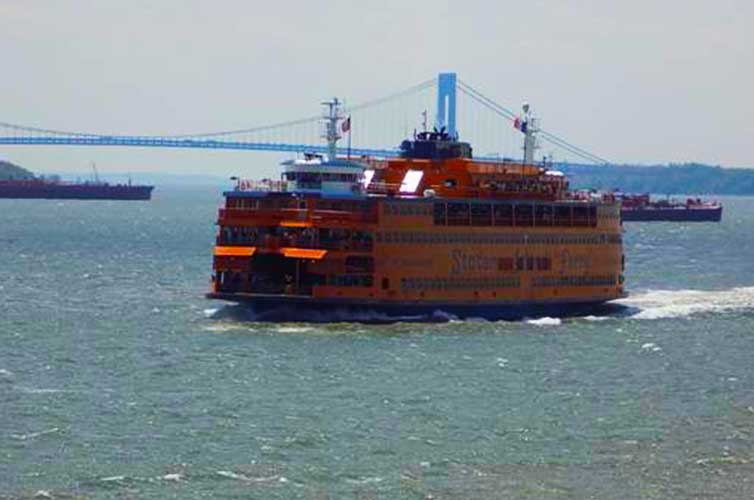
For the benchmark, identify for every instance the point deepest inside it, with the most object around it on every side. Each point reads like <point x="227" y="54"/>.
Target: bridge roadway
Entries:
<point x="166" y="142"/>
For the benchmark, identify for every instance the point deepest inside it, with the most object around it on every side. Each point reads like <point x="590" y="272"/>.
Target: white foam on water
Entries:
<point x="112" y="479"/>
<point x="546" y="321"/>
<point x="208" y="313"/>
<point x="595" y="318"/>
<point x="5" y="373"/>
<point x="662" y="304"/>
<point x="247" y="479"/>
<point x="651" y="347"/>
<point x="366" y="480"/>
<point x="222" y="327"/>
<point x="294" y="329"/>
<point x="33" y="390"/>
<point x="24" y="437"/>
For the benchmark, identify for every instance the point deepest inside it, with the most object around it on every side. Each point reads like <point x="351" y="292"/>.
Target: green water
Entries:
<point x="119" y="380"/>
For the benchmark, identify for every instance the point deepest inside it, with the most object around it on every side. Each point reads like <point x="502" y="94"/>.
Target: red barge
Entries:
<point x="57" y="190"/>
<point x="642" y="208"/>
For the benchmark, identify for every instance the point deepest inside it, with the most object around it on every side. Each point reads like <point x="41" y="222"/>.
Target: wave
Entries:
<point x="35" y="390"/>
<point x="662" y="304"/>
<point x="32" y="435"/>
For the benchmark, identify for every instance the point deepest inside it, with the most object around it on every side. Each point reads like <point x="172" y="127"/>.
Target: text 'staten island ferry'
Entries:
<point x="432" y="230"/>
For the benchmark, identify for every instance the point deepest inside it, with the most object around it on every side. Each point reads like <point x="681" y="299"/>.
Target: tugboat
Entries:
<point x="642" y="208"/>
<point x="431" y="230"/>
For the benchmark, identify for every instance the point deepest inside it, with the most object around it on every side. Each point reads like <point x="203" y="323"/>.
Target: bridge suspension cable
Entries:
<point x="511" y="116"/>
<point x="378" y="127"/>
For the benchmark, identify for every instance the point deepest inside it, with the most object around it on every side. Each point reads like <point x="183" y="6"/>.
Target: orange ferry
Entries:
<point x="431" y="230"/>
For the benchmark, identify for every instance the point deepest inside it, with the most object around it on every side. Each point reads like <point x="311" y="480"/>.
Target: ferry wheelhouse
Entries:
<point x="431" y="230"/>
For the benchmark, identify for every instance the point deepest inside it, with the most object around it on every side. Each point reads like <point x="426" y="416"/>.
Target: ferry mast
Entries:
<point x="530" y="128"/>
<point x="331" y="117"/>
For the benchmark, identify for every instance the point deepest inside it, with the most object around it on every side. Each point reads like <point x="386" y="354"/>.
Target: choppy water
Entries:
<point x="118" y="379"/>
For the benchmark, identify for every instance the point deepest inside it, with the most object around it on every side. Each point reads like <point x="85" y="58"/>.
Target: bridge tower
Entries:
<point x="446" y="103"/>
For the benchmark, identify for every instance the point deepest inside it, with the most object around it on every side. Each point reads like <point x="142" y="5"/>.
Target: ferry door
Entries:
<point x="302" y="279"/>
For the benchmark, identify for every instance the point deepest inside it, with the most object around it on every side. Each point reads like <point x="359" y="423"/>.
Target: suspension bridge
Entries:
<point x="376" y="128"/>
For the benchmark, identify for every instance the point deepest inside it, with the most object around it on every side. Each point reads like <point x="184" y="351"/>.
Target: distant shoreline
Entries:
<point x="697" y="179"/>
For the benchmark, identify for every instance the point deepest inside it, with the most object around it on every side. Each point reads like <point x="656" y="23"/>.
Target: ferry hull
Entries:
<point x="276" y="308"/>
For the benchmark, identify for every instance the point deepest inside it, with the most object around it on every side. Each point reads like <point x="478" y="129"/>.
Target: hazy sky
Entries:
<point x="633" y="81"/>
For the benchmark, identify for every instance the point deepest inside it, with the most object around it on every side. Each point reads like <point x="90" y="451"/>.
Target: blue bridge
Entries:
<point x="377" y="126"/>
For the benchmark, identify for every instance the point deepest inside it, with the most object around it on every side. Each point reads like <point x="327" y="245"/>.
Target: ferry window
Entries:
<point x="439" y="213"/>
<point x="562" y="215"/>
<point x="385" y="283"/>
<point x="543" y="215"/>
<point x="481" y="214"/>
<point x="530" y="263"/>
<point x="505" y="264"/>
<point x="411" y="181"/>
<point x="580" y="216"/>
<point x="362" y="240"/>
<point x="458" y="214"/>
<point x="328" y="177"/>
<point x="503" y="215"/>
<point x="592" y="216"/>
<point x="334" y="205"/>
<point x="524" y="215"/>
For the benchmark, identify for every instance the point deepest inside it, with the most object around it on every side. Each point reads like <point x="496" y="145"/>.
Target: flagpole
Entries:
<point x="349" y="137"/>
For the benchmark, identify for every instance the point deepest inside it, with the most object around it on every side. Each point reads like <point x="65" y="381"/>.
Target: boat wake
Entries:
<point x="661" y="304"/>
<point x="650" y="304"/>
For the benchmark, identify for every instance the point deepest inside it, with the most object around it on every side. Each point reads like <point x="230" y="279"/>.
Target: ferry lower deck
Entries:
<point x="416" y="256"/>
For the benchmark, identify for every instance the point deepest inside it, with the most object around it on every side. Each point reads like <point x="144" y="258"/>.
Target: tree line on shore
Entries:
<point x="687" y="178"/>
